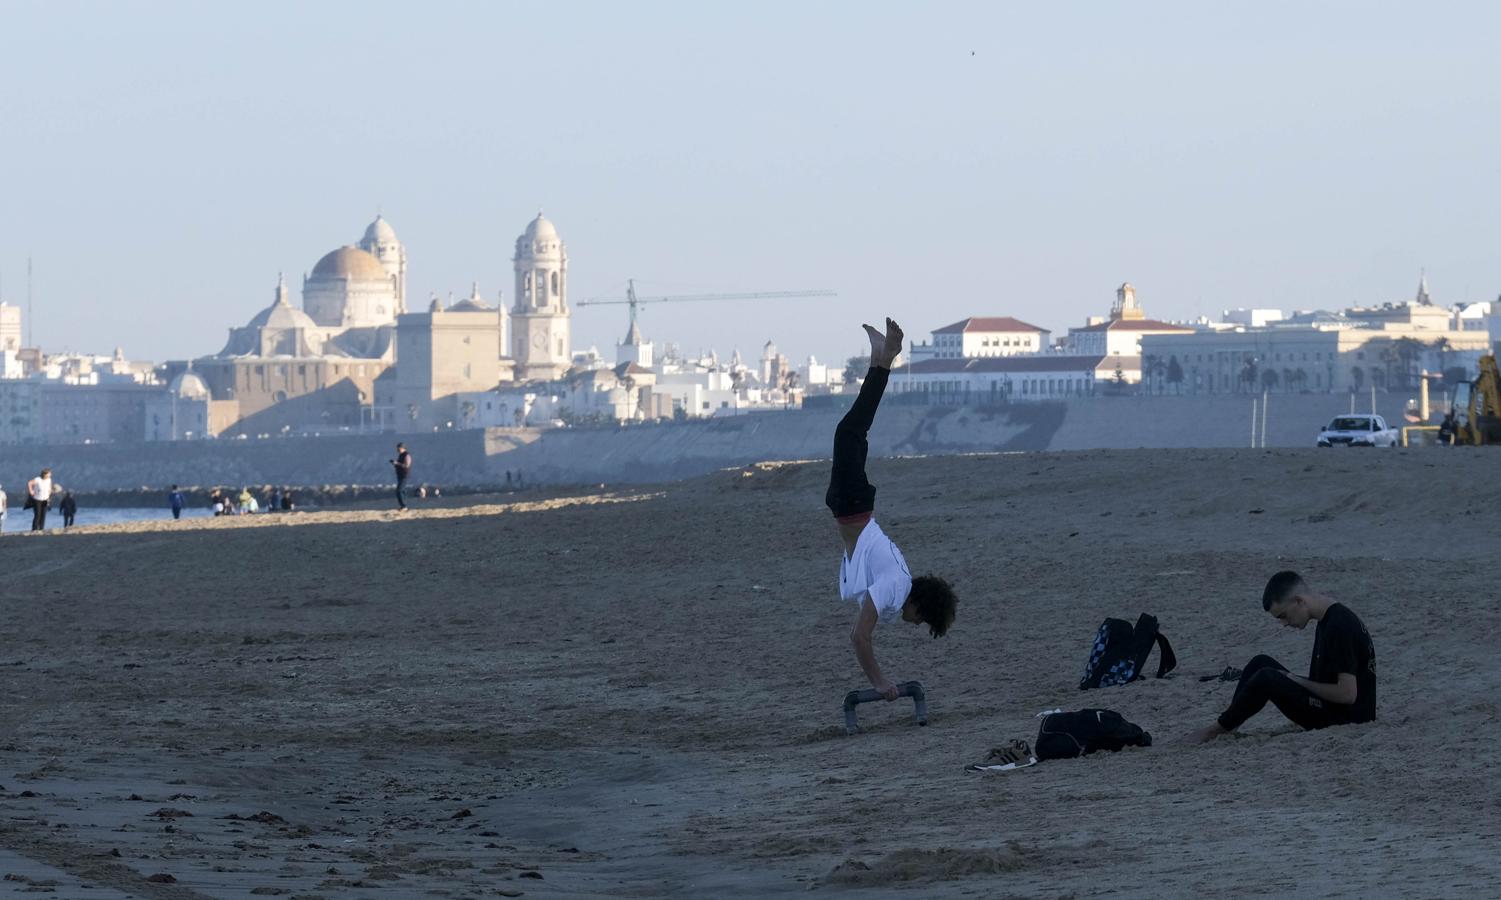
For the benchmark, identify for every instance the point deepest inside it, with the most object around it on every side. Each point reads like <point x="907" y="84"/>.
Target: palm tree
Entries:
<point x="1248" y="372"/>
<point x="1442" y="347"/>
<point x="1408" y="352"/>
<point x="1175" y="374"/>
<point x="1156" y="369"/>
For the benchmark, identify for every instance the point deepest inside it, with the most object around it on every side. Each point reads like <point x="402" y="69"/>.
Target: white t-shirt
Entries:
<point x="41" y="488"/>
<point x="878" y="569"/>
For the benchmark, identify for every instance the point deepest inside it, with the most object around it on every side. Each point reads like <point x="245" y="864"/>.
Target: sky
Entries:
<point x="162" y="162"/>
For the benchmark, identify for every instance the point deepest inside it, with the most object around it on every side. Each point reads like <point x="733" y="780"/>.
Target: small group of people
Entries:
<point x="1341" y="685"/>
<point x="39" y="493"/>
<point x="228" y="503"/>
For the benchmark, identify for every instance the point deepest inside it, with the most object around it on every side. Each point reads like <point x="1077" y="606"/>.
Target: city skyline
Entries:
<point x="969" y="161"/>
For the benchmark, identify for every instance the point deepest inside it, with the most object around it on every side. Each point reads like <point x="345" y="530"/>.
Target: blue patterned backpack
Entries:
<point x="1119" y="652"/>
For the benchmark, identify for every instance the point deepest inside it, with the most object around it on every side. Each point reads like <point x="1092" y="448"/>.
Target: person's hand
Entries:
<point x="887" y="690"/>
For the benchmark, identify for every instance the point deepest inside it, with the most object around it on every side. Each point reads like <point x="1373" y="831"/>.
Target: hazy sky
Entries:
<point x="162" y="162"/>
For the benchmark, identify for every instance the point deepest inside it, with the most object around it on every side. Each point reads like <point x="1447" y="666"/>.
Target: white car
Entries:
<point x="1359" y="430"/>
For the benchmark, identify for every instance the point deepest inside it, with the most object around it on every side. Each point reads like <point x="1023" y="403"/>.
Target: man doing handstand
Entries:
<point x="1341" y="685"/>
<point x="872" y="572"/>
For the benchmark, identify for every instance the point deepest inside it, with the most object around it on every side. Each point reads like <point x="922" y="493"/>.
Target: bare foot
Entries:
<point x="877" y="343"/>
<point x="894" y="336"/>
<point x="1205" y="736"/>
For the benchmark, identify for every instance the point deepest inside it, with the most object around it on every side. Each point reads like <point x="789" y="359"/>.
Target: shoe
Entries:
<point x="1012" y="755"/>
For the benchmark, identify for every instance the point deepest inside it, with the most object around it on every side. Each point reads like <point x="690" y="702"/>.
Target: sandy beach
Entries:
<point x="636" y="692"/>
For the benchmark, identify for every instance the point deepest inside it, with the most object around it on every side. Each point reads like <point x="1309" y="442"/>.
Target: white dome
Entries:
<point x="189" y="387"/>
<point x="541" y="229"/>
<point x="380" y="232"/>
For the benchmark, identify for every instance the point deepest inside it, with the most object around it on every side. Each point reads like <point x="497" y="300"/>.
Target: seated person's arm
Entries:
<point x="1343" y="691"/>
<point x="865" y="625"/>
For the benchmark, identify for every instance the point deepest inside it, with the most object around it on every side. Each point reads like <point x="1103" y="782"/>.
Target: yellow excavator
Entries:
<point x="1475" y="408"/>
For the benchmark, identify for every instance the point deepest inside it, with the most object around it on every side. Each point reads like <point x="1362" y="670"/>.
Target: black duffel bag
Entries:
<point x="1066" y="735"/>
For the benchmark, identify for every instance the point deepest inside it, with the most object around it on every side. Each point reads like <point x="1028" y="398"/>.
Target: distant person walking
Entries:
<point x="4" y="508"/>
<point x="69" y="508"/>
<point x="177" y="502"/>
<point x="403" y="466"/>
<point x="38" y="498"/>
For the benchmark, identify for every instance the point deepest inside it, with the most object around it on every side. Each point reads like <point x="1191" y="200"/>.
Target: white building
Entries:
<point x="10" y="328"/>
<point x="982" y="336"/>
<point x="1003" y="378"/>
<point x="1254" y="318"/>
<point x="1314" y="357"/>
<point x="635" y="348"/>
<point x="1119" y="338"/>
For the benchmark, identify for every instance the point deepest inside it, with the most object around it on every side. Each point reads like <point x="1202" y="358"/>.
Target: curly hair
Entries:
<point x="935" y="602"/>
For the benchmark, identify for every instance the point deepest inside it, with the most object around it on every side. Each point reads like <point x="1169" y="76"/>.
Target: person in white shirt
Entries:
<point x="4" y="508"/>
<point x="872" y="572"/>
<point x="39" y="497"/>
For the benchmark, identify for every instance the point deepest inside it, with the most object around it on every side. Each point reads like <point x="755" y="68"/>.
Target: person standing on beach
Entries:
<point x="4" y="508"/>
<point x="69" y="508"/>
<point x="872" y="572"/>
<point x="177" y="502"/>
<point x="1341" y="685"/>
<point x="403" y="466"/>
<point x="38" y="498"/>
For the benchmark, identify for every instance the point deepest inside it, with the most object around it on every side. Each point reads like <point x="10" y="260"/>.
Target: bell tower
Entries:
<point x="541" y="340"/>
<point x="380" y="241"/>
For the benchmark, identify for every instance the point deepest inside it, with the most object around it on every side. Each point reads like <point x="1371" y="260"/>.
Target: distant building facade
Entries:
<point x="442" y="355"/>
<point x="982" y="336"/>
<point x="1118" y="339"/>
<point x="1000" y="379"/>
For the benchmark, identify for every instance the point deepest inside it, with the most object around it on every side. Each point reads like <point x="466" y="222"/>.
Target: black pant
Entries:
<point x="68" y="519"/>
<point x="849" y="490"/>
<point x="1266" y="679"/>
<point x="177" y="512"/>
<point x="39" y="515"/>
<point x="401" y="483"/>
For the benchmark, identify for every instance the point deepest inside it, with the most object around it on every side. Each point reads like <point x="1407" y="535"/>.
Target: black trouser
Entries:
<point x="39" y="515"/>
<point x="401" y="483"/>
<point x="68" y="519"/>
<point x="177" y="512"/>
<point x="1266" y="679"/>
<point x="849" y="490"/>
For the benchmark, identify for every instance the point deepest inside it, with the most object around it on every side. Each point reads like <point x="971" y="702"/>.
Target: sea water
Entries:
<point x="18" y="519"/>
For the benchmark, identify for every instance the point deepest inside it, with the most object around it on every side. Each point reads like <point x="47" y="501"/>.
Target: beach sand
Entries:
<point x="636" y="692"/>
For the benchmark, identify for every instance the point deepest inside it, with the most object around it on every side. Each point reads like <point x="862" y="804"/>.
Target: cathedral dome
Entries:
<point x="189" y="386"/>
<point x="380" y="232"/>
<point x="351" y="263"/>
<point x="282" y="317"/>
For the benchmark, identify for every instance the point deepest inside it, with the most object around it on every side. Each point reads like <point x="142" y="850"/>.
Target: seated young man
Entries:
<point x="872" y="572"/>
<point x="1341" y="685"/>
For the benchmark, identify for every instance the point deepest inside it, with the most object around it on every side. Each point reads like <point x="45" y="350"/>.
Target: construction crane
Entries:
<point x="634" y="301"/>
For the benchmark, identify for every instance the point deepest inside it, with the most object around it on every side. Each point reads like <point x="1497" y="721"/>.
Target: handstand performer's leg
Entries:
<point x="1264" y="680"/>
<point x="850" y="491"/>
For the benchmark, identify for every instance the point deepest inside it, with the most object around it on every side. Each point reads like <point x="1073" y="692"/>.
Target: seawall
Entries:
<point x="653" y="453"/>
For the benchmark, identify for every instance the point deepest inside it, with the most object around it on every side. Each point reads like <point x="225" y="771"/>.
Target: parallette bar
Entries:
<point x="911" y="689"/>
